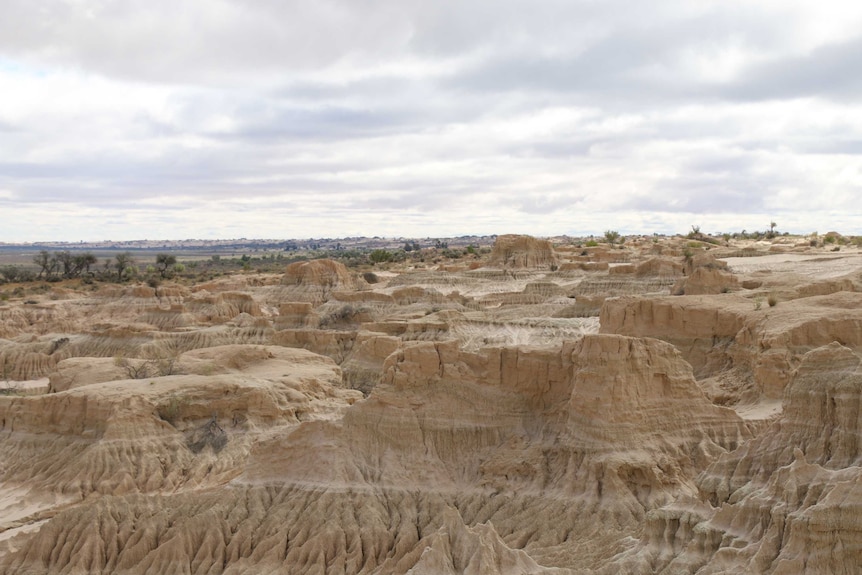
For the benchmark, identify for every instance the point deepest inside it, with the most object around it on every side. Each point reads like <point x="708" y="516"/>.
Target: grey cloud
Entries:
<point x="832" y="145"/>
<point x="158" y="40"/>
<point x="543" y="204"/>
<point x="722" y="164"/>
<point x="634" y="64"/>
<point x="831" y="71"/>
<point x="705" y="194"/>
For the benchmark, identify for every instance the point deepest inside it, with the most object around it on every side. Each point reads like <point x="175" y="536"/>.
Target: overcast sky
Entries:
<point x="158" y="119"/>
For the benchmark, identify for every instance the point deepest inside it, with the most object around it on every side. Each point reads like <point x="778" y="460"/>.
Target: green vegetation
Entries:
<point x="164" y="263"/>
<point x="612" y="237"/>
<point x="380" y="256"/>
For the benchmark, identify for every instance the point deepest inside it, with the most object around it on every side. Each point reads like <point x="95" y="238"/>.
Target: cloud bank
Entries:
<point x="227" y="118"/>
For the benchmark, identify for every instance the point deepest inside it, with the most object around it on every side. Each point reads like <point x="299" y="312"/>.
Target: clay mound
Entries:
<point x="143" y="341"/>
<point x="706" y="280"/>
<point x="314" y="281"/>
<point x="168" y="319"/>
<point x="363" y="365"/>
<point x="407" y="480"/>
<point x="221" y="307"/>
<point x="296" y="315"/>
<point x="703" y="259"/>
<point x="81" y="371"/>
<point x="237" y="283"/>
<point x="128" y="292"/>
<point x="618" y="285"/>
<point x="456" y="549"/>
<point x="728" y="332"/>
<point x="659" y="266"/>
<point x="411" y="295"/>
<point x="534" y="293"/>
<point x="788" y="500"/>
<point x="32" y="358"/>
<point x="266" y="530"/>
<point x="321" y="273"/>
<point x="554" y="393"/>
<point x="334" y="344"/>
<point x="37" y="319"/>
<point x="519" y="251"/>
<point x="137" y="435"/>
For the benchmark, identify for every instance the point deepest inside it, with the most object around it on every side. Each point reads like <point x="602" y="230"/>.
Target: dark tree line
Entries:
<point x="64" y="264"/>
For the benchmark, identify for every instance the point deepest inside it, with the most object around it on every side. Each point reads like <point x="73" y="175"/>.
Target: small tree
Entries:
<point x="124" y="264"/>
<point x="164" y="263"/>
<point x="772" y="226"/>
<point x="10" y="273"/>
<point x="66" y="261"/>
<point x="81" y="263"/>
<point x="611" y="236"/>
<point x="47" y="263"/>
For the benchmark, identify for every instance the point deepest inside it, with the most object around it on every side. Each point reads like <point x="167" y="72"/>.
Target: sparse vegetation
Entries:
<point x="171" y="409"/>
<point x="380" y="256"/>
<point x="145" y="368"/>
<point x="164" y="263"/>
<point x="208" y="435"/>
<point x="124" y="264"/>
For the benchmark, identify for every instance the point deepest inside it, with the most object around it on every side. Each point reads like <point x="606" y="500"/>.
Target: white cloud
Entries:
<point x="338" y="118"/>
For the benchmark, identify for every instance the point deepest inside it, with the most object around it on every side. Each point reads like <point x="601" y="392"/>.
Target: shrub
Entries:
<point x="210" y="434"/>
<point x="380" y="256"/>
<point x="772" y="300"/>
<point x="171" y="409"/>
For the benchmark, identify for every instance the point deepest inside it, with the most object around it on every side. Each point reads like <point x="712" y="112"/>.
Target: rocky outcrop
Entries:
<point x="292" y="315"/>
<point x="724" y="332"/>
<point x="518" y="251"/>
<point x="312" y="281"/>
<point x="447" y="442"/>
<point x="784" y="502"/>
<point x="135" y="435"/>
<point x="702" y="328"/>
<point x="704" y="280"/>
<point x="322" y="273"/>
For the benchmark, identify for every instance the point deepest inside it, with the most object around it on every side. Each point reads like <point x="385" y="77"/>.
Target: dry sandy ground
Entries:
<point x="817" y="266"/>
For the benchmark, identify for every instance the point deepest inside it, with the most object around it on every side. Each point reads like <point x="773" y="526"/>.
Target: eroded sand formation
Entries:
<point x="608" y="409"/>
